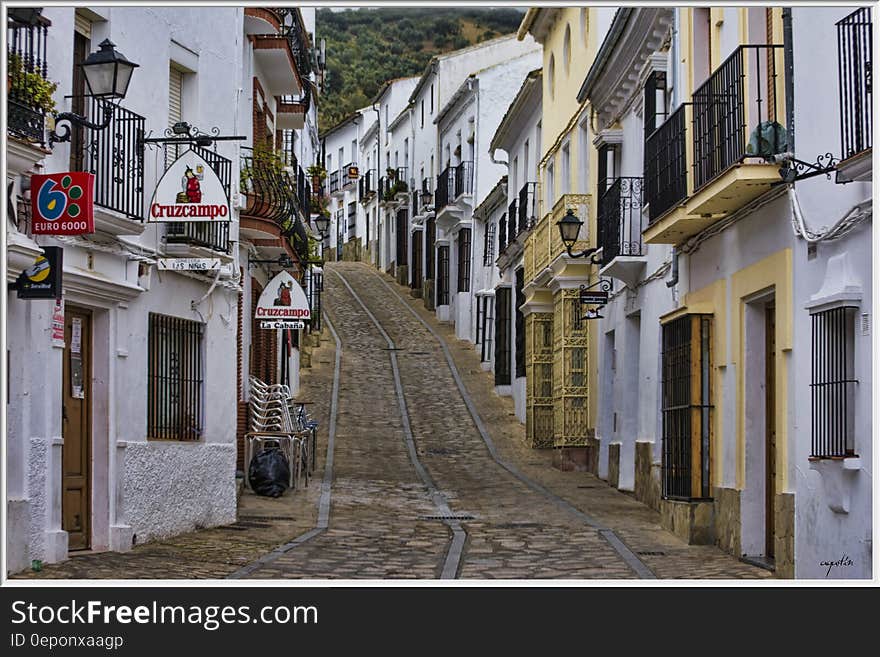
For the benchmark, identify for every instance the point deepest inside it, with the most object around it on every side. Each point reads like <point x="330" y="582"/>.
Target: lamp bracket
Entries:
<point x="184" y="133"/>
<point x="71" y="118"/>
<point x="793" y="169"/>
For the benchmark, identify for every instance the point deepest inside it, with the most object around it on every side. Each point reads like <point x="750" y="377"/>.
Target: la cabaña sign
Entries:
<point x="283" y="298"/>
<point x="189" y="191"/>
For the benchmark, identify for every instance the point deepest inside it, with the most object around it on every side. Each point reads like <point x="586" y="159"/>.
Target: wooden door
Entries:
<point x="770" y="416"/>
<point x="76" y="428"/>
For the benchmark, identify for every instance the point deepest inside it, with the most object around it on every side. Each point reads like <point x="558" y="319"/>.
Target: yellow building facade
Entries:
<point x="560" y="409"/>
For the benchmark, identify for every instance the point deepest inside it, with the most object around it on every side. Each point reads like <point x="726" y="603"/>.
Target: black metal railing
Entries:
<point x="292" y="29"/>
<point x="619" y="222"/>
<point x="393" y="183"/>
<point x="269" y="190"/>
<point x="333" y="185"/>
<point x="737" y="99"/>
<point x="489" y="245"/>
<point x="502" y="233"/>
<point x="854" y="57"/>
<point x="115" y="157"/>
<point x="26" y="62"/>
<point x="833" y="382"/>
<point x="528" y="206"/>
<point x="352" y="220"/>
<point x="445" y="188"/>
<point x="464" y="179"/>
<point x="665" y="165"/>
<point x="443" y="275"/>
<point x="414" y="197"/>
<point x="512" y="229"/>
<point x="367" y="185"/>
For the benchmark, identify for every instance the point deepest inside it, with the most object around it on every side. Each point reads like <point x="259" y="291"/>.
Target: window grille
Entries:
<point x="687" y="407"/>
<point x="489" y="245"/>
<point x="464" y="260"/>
<point x="833" y="382"/>
<point x="174" y="377"/>
<point x="520" y="326"/>
<point x="443" y="275"/>
<point x="502" y="337"/>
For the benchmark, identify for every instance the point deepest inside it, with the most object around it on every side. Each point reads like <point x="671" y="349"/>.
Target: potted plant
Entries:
<point x="318" y="173"/>
<point x="29" y="86"/>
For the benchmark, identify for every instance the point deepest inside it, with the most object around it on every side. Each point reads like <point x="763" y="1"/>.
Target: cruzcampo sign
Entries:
<point x="189" y="191"/>
<point x="283" y="299"/>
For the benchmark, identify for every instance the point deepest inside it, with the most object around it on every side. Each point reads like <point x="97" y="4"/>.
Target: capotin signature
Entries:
<point x="840" y="563"/>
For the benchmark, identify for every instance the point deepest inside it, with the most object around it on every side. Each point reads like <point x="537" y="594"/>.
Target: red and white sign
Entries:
<point x="62" y="203"/>
<point x="283" y="298"/>
<point x="189" y="190"/>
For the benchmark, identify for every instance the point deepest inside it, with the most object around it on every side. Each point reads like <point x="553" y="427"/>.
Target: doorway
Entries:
<point x="76" y="428"/>
<point x="770" y="432"/>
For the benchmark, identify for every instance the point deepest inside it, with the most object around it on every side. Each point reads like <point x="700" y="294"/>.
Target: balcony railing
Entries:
<point x="367" y="185"/>
<point x="527" y="206"/>
<point x="26" y="53"/>
<point x="393" y="184"/>
<point x="213" y="236"/>
<point x="544" y="243"/>
<point x="666" y="165"/>
<point x="620" y="220"/>
<point x="512" y="215"/>
<point x="333" y="184"/>
<point x="464" y="179"/>
<point x="445" y="193"/>
<point x="293" y="30"/>
<point x="502" y="234"/>
<point x="347" y="181"/>
<point x="854" y="58"/>
<point x="116" y="159"/>
<point x="737" y="99"/>
<point x="269" y="189"/>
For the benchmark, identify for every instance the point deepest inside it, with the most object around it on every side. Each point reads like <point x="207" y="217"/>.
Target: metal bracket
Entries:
<point x="604" y="285"/>
<point x="793" y="169"/>
<point x="183" y="133"/>
<point x="107" y="110"/>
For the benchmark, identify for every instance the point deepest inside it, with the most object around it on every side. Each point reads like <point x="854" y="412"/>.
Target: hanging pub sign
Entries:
<point x="283" y="299"/>
<point x="189" y="190"/>
<point x="594" y="295"/>
<point x="353" y="173"/>
<point x="61" y="203"/>
<point x="42" y="280"/>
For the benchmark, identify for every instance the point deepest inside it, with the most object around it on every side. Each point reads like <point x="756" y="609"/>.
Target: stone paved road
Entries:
<point x="377" y="525"/>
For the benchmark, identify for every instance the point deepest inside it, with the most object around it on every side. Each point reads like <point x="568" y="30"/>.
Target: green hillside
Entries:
<point x="366" y="47"/>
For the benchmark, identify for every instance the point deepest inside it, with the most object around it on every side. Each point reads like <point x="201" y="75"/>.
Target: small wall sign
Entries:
<point x="283" y="299"/>
<point x="189" y="190"/>
<point x="62" y="203"/>
<point x="353" y="173"/>
<point x="58" y="324"/>
<point x="42" y="280"/>
<point x="189" y="264"/>
<point x="281" y="324"/>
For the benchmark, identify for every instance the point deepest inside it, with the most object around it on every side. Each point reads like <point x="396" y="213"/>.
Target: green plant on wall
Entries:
<point x="30" y="86"/>
<point x="399" y="187"/>
<point x="317" y="171"/>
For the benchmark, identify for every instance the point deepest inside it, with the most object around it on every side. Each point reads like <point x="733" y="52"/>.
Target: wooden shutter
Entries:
<point x="175" y="96"/>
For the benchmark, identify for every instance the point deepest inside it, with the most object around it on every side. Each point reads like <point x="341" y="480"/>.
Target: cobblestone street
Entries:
<point x="496" y="510"/>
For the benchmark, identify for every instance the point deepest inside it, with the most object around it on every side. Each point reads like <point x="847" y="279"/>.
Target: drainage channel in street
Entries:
<point x="326" y="483"/>
<point x="623" y="551"/>
<point x="445" y="514"/>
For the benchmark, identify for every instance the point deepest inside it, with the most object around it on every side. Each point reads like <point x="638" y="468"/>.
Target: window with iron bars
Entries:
<point x="833" y="383"/>
<point x="443" y="275"/>
<point x="464" y="260"/>
<point x="520" y="325"/>
<point x="686" y="407"/>
<point x="502" y="336"/>
<point x="489" y="244"/>
<point x="175" y="375"/>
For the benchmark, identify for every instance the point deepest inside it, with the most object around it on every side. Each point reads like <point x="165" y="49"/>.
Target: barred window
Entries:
<point x="464" y="260"/>
<point x="520" y="325"/>
<point x="502" y="336"/>
<point x="489" y="244"/>
<point x="175" y="375"/>
<point x="833" y="382"/>
<point x="443" y="275"/>
<point x="687" y="406"/>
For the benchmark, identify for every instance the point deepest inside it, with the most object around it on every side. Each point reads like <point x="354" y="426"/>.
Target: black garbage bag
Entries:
<point x="269" y="472"/>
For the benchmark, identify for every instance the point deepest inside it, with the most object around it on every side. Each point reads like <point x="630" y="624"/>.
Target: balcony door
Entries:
<point x="81" y="44"/>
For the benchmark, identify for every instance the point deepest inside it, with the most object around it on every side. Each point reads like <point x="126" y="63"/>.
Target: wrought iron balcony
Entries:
<point x="734" y="113"/>
<point x="347" y="180"/>
<point x="620" y="220"/>
<point x="512" y="229"/>
<point x="502" y="234"/>
<point x="527" y="206"/>
<point x="854" y="57"/>
<point x="464" y="179"/>
<point x="445" y="188"/>
<point x="115" y="157"/>
<point x="367" y="185"/>
<point x="270" y="191"/>
<point x="393" y="184"/>
<point x="666" y="165"/>
<point x="26" y="66"/>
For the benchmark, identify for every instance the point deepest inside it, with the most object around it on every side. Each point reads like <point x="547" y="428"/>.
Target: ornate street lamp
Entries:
<point x="569" y="229"/>
<point x="426" y="197"/>
<point x="322" y="223"/>
<point x="107" y="75"/>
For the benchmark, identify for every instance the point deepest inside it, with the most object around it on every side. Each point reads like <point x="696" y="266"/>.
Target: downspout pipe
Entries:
<point x="673" y="280"/>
